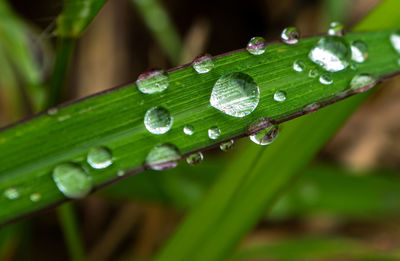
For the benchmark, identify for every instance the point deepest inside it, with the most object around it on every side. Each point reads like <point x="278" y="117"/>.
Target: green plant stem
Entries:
<point x="65" y="49"/>
<point x="67" y="218"/>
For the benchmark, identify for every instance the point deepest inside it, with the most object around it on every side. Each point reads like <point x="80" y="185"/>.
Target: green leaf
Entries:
<point x="30" y="150"/>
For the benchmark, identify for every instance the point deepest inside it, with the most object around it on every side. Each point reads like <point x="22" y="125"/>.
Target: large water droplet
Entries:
<point x="195" y="158"/>
<point x="395" y="40"/>
<point x="336" y="29"/>
<point x="188" y="129"/>
<point x="158" y="120"/>
<point x="11" y="193"/>
<point x="332" y="53"/>
<point x="203" y="64"/>
<point x="256" y="46"/>
<point x="325" y="79"/>
<point x="35" y="197"/>
<point x="265" y="136"/>
<point x="299" y="66"/>
<point x="280" y="96"/>
<point x="290" y="35"/>
<point x="226" y="145"/>
<point x="235" y="94"/>
<point x="163" y="156"/>
<point x="362" y="83"/>
<point x="258" y="125"/>
<point x="72" y="180"/>
<point x="359" y="51"/>
<point x="214" y="132"/>
<point x="99" y="158"/>
<point x="152" y="82"/>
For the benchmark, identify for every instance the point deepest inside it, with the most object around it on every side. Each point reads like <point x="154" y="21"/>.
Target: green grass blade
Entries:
<point x="30" y="150"/>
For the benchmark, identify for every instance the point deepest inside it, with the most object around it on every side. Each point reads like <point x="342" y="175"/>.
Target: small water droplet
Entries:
<point x="359" y="51"/>
<point x="120" y="173"/>
<point x="52" y="111"/>
<point x="72" y="180"/>
<point x="362" y="83"/>
<point x="311" y="108"/>
<point x="226" y="145"/>
<point x="280" y="96"/>
<point x="336" y="29"/>
<point x="163" y="156"/>
<point x="325" y="79"/>
<point x="265" y="136"/>
<point x="11" y="193"/>
<point x="299" y="66"/>
<point x="152" y="81"/>
<point x="214" y="132"/>
<point x="354" y="66"/>
<point x="395" y="40"/>
<point x="99" y="158"/>
<point x="332" y="53"/>
<point x="158" y="120"/>
<point x="35" y="197"/>
<point x="203" y="64"/>
<point x="256" y="46"/>
<point x="195" y="158"/>
<point x="313" y="73"/>
<point x="188" y="129"/>
<point x="235" y="94"/>
<point x="290" y="35"/>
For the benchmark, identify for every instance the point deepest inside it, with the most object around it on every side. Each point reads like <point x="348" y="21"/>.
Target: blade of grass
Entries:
<point x="215" y="226"/>
<point x="29" y="151"/>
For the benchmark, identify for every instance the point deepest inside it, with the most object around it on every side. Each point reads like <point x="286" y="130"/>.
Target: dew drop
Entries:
<point x="120" y="173"/>
<point x="52" y="111"/>
<point x="35" y="197"/>
<point x="163" y="156"/>
<point x="359" y="51"/>
<point x="158" y="120"/>
<point x="195" y="158"/>
<point x="226" y="145"/>
<point x="203" y="64"/>
<point x="325" y="79"/>
<point x="256" y="46"/>
<point x="152" y="82"/>
<point x="311" y="108"/>
<point x="72" y="180"/>
<point x="336" y="29"/>
<point x="313" y="73"/>
<point x="236" y="94"/>
<point x="265" y="136"/>
<point x="290" y="35"/>
<point x="188" y="129"/>
<point x="11" y="193"/>
<point x="362" y="83"/>
<point x="299" y="66"/>
<point x="354" y="66"/>
<point x="258" y="125"/>
<point x="214" y="132"/>
<point x="280" y="96"/>
<point x="332" y="53"/>
<point x="99" y="158"/>
<point x="395" y="40"/>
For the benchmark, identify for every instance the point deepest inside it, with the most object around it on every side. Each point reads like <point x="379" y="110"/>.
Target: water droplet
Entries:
<point x="120" y="173"/>
<point x="310" y="108"/>
<point x="280" y="96"/>
<point x="203" y="64"/>
<point x="152" y="81"/>
<point x="325" y="79"/>
<point x="11" y="193"/>
<point x="354" y="66"/>
<point x="395" y="40"/>
<point x="359" y="51"/>
<point x="226" y="145"/>
<point x="72" y="180"/>
<point x="52" y="111"/>
<point x="336" y="29"/>
<point x="313" y="73"/>
<point x="35" y="197"/>
<point x="265" y="136"/>
<point x="158" y="120"/>
<point x="256" y="46"/>
<point x="235" y="94"/>
<point x="188" y="129"/>
<point x="214" y="132"/>
<point x="299" y="66"/>
<point x="258" y="125"/>
<point x="332" y="53"/>
<point x="99" y="158"/>
<point x="362" y="83"/>
<point x="290" y="35"/>
<point x="195" y="158"/>
<point x="163" y="156"/>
